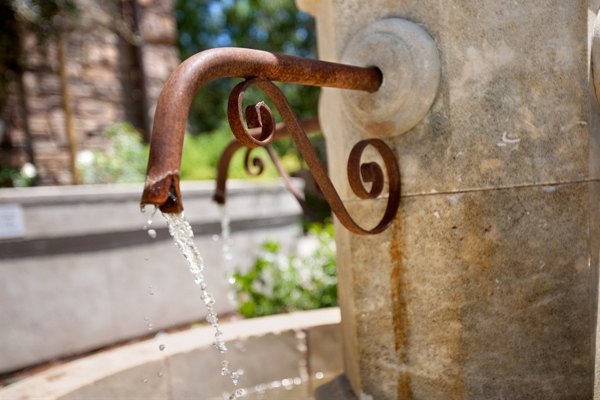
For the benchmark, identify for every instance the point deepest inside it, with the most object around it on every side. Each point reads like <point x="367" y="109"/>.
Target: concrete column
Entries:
<point x="485" y="286"/>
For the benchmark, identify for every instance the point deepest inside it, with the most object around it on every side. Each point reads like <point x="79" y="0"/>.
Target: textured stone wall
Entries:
<point x="102" y="78"/>
<point x="485" y="286"/>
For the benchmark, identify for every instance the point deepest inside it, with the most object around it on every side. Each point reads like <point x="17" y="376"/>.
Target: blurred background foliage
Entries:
<point x="124" y="158"/>
<point x="272" y="25"/>
<point x="201" y="155"/>
<point x="279" y="282"/>
<point x="45" y="18"/>
<point x="122" y="161"/>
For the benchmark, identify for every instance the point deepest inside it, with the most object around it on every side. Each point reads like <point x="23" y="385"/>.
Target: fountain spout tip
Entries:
<point x="164" y="194"/>
<point x="219" y="196"/>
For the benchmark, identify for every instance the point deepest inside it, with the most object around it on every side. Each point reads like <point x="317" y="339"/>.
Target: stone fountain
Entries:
<point x="480" y="281"/>
<point x="483" y="283"/>
<point x="485" y="287"/>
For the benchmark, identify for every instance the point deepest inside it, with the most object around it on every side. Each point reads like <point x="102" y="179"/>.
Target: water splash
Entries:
<point x="182" y="233"/>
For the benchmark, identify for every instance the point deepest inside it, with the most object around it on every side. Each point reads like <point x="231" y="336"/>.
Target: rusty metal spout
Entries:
<point x="162" y="179"/>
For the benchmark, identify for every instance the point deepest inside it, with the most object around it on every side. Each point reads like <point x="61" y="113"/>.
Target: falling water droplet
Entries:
<point x="215" y="238"/>
<point x="150" y="326"/>
<point x="145" y="380"/>
<point x="151" y="232"/>
<point x="161" y="347"/>
<point x="160" y="374"/>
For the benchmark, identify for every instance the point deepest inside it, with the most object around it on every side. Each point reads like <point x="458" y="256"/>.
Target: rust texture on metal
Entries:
<point x="256" y="126"/>
<point x="162" y="179"/>
<point x="261" y="117"/>
<point x="220" y="196"/>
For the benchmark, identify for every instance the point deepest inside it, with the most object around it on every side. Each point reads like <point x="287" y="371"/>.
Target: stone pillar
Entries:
<point x="485" y="286"/>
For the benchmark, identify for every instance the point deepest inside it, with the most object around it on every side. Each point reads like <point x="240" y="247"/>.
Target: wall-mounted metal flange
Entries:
<point x="410" y="64"/>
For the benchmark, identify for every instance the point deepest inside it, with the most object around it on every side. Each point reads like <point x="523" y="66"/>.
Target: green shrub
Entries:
<point x="18" y="177"/>
<point x="124" y="160"/>
<point x="201" y="155"/>
<point x="279" y="283"/>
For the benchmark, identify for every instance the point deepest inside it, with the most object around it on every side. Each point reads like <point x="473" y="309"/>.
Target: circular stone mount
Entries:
<point x="410" y="64"/>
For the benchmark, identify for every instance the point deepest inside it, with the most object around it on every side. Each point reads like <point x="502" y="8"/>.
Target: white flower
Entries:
<point x="307" y="246"/>
<point x="28" y="170"/>
<point x="85" y="157"/>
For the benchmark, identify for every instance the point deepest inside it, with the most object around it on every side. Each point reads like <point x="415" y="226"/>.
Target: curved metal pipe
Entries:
<point x="170" y="120"/>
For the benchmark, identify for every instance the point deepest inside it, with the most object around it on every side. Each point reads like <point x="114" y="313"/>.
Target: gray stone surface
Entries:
<point x="147" y="381"/>
<point x="474" y="294"/>
<point x="325" y="350"/>
<point x="267" y="349"/>
<point x="497" y="99"/>
<point x="271" y="357"/>
<point x="85" y="274"/>
<point x="486" y="286"/>
<point x="336" y="389"/>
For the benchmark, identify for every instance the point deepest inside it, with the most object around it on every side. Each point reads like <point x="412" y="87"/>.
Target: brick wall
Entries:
<point x="109" y="77"/>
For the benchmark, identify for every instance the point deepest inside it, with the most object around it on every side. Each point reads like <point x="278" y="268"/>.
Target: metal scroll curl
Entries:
<point x="253" y="164"/>
<point x="261" y="116"/>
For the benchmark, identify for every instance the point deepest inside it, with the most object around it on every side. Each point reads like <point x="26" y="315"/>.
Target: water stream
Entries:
<point x="181" y="231"/>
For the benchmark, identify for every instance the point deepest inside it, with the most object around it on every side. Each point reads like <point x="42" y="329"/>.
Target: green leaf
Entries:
<point x="281" y="283"/>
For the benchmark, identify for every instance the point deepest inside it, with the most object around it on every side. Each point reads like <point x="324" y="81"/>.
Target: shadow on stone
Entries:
<point x="337" y="389"/>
